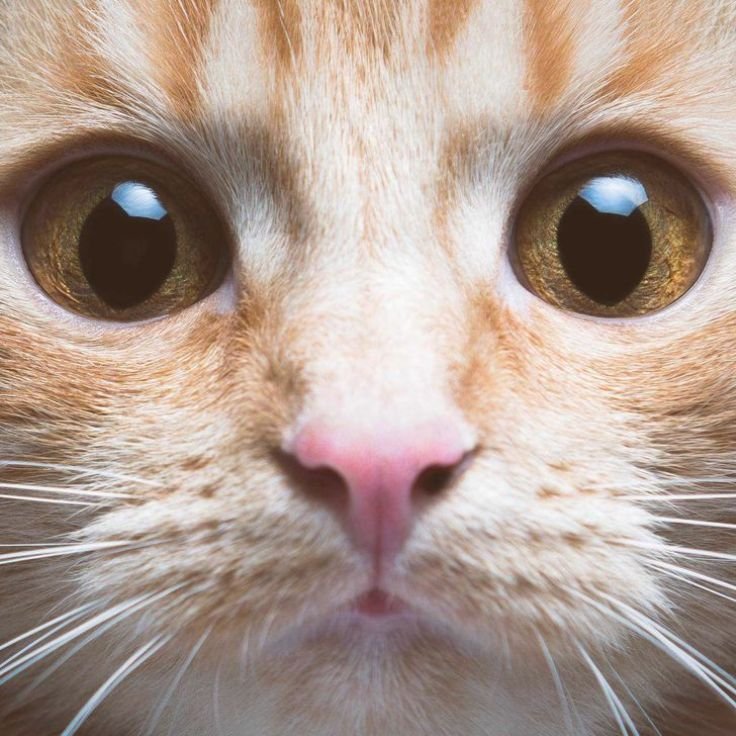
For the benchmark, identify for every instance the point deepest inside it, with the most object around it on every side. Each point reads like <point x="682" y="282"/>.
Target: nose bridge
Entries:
<point x="378" y="408"/>
<point x="386" y="361"/>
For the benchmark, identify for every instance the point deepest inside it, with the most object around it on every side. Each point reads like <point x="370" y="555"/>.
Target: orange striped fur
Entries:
<point x="368" y="159"/>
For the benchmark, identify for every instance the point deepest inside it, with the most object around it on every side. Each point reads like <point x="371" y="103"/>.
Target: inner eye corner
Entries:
<point x="150" y="241"/>
<point x="588" y="235"/>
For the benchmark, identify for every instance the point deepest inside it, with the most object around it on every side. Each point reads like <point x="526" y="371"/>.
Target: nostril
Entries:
<point x="434" y="479"/>
<point x="376" y="476"/>
<point x="322" y="484"/>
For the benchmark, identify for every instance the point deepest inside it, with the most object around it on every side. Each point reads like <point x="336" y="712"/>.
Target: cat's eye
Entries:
<point x="616" y="235"/>
<point x="122" y="238"/>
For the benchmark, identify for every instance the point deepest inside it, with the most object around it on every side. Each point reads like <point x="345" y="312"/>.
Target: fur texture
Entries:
<point x="368" y="158"/>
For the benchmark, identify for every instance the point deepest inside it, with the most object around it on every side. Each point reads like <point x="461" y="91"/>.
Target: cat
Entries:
<point x="318" y="416"/>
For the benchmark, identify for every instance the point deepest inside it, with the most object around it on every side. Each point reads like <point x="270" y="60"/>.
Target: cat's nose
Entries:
<point x="383" y="473"/>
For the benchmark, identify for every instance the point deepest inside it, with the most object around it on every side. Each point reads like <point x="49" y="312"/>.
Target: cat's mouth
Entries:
<point x="377" y="604"/>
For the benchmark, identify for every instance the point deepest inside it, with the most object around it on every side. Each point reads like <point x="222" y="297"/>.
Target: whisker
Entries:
<point x="634" y="699"/>
<point x="64" y="490"/>
<point x="623" y="720"/>
<point x="716" y="672"/>
<point x="700" y="480"/>
<point x="692" y="574"/>
<point x="677" y="550"/>
<point x="150" y="727"/>
<point x="216" y="700"/>
<point x="10" y="669"/>
<point x="648" y="630"/>
<point x="63" y="619"/>
<point x="559" y="685"/>
<point x="35" y="499"/>
<point x="693" y="584"/>
<point x="125" y="669"/>
<point x="61" y="661"/>
<point x="679" y="497"/>
<point x="37" y="545"/>
<point x="696" y="522"/>
<point x="77" y="469"/>
<point x="11" y="558"/>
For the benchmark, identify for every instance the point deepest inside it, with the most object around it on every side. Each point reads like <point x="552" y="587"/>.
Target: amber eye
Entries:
<point x="123" y="239"/>
<point x="612" y="235"/>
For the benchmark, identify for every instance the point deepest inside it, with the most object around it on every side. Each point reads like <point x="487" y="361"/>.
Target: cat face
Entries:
<point x="365" y="455"/>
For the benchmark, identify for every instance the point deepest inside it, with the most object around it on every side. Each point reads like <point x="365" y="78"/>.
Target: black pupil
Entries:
<point x="127" y="245"/>
<point x="604" y="241"/>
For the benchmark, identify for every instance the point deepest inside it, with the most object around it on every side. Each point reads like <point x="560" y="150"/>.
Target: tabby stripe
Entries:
<point x="655" y="36"/>
<point x="280" y="22"/>
<point x="446" y="19"/>
<point x="550" y="50"/>
<point x="178" y="31"/>
<point x="80" y="67"/>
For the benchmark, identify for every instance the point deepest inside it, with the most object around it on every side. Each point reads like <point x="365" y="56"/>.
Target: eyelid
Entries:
<point x="705" y="175"/>
<point x="28" y="174"/>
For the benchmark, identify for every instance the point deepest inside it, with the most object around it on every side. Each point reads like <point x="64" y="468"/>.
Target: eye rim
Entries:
<point x="61" y="157"/>
<point x="704" y="183"/>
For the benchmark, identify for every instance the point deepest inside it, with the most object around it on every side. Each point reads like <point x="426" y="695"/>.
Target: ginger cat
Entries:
<point x="367" y="368"/>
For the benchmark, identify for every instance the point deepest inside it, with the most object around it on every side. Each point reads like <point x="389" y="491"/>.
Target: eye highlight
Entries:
<point x="123" y="239"/>
<point x="612" y="235"/>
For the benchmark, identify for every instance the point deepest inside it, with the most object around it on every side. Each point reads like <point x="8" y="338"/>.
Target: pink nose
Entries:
<point x="382" y="470"/>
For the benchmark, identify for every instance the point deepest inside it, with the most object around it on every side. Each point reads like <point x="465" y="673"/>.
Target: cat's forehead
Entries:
<point x="266" y="59"/>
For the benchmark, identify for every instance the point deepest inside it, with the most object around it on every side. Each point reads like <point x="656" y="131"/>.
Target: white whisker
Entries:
<point x="35" y="499"/>
<point x="700" y="586"/>
<point x="150" y="727"/>
<point x="64" y="490"/>
<point x="559" y="685"/>
<point x="692" y="573"/>
<point x="680" y="497"/>
<point x="216" y="700"/>
<point x="77" y="469"/>
<point x="714" y="671"/>
<point x="94" y="635"/>
<point x="634" y="699"/>
<point x="669" y="549"/>
<point x="31" y="545"/>
<point x="125" y="669"/>
<point x="707" y="672"/>
<point x="10" y="669"/>
<point x="696" y="522"/>
<point x="11" y="558"/>
<point x="63" y="619"/>
<point x="623" y="721"/>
